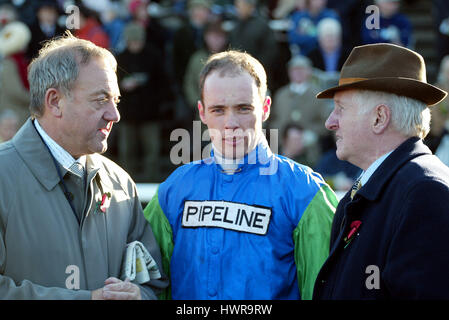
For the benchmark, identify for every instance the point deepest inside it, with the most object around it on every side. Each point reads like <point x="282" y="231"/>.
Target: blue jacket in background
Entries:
<point x="303" y="32"/>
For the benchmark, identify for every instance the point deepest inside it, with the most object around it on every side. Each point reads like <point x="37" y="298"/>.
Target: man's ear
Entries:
<point x="202" y="112"/>
<point x="266" y="108"/>
<point x="381" y="118"/>
<point x="52" y="102"/>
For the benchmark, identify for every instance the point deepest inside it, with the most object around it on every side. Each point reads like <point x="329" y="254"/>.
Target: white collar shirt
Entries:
<point x="59" y="153"/>
<point x="372" y="168"/>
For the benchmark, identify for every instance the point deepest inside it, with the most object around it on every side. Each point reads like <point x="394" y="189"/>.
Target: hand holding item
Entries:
<point x="116" y="289"/>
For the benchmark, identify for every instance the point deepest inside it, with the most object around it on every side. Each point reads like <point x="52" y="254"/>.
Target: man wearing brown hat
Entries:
<point x="390" y="236"/>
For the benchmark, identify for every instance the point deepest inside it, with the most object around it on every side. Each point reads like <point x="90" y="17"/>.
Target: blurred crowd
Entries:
<point x="161" y="45"/>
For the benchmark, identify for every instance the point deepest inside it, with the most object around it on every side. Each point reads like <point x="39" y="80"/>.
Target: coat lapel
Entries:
<point x="36" y="156"/>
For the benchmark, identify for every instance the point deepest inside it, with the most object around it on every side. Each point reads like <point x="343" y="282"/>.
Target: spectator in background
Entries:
<point x="99" y="6"/>
<point x="298" y="145"/>
<point x="14" y="87"/>
<point x="439" y="130"/>
<point x="330" y="54"/>
<point x="302" y="36"/>
<point x="145" y="100"/>
<point x="9" y="124"/>
<point x="189" y="37"/>
<point x="156" y="34"/>
<point x="7" y="14"/>
<point x="442" y="151"/>
<point x="45" y="27"/>
<point x="215" y="40"/>
<point x="395" y="27"/>
<point x="91" y="28"/>
<point x="252" y="34"/>
<point x="352" y="14"/>
<point x="440" y="14"/>
<point x="440" y="112"/>
<point x="114" y="18"/>
<point x="111" y="14"/>
<point x="296" y="102"/>
<point x="25" y="9"/>
<point x="285" y="8"/>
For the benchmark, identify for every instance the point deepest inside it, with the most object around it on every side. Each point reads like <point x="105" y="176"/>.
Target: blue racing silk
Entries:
<point x="260" y="233"/>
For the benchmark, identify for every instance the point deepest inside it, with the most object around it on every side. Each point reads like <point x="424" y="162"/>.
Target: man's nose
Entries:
<point x="112" y="114"/>
<point x="331" y="122"/>
<point x="231" y="121"/>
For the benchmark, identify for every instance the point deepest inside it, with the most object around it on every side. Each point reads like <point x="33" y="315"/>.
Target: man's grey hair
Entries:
<point x="57" y="66"/>
<point x="410" y="117"/>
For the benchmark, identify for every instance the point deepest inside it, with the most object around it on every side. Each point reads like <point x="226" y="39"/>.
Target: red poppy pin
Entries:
<point x="104" y="203"/>
<point x="355" y="225"/>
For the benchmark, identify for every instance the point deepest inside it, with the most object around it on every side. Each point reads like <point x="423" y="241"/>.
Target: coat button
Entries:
<point x="69" y="196"/>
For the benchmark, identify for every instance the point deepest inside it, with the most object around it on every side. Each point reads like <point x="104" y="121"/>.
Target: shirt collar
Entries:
<point x="229" y="166"/>
<point x="372" y="168"/>
<point x="261" y="155"/>
<point x="59" y="153"/>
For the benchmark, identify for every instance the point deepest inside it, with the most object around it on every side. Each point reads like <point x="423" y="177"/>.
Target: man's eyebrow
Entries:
<point x="216" y="106"/>
<point x="99" y="92"/>
<point x="337" y="101"/>
<point x="102" y="91"/>
<point x="249" y="104"/>
<point x="236" y="105"/>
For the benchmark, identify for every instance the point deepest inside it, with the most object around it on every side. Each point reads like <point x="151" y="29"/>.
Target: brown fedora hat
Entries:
<point x="386" y="67"/>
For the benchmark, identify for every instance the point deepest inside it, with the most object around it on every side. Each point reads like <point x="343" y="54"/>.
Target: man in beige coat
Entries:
<point x="66" y="212"/>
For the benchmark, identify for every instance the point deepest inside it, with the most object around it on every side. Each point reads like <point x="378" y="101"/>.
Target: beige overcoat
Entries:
<point x="42" y="244"/>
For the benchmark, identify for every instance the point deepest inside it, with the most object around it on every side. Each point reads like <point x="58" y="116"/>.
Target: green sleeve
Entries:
<point x="312" y="237"/>
<point x="164" y="237"/>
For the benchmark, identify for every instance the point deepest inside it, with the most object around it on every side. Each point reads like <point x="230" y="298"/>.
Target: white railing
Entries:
<point x="146" y="191"/>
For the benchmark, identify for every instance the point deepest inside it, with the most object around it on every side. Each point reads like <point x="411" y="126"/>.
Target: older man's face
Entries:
<point x="351" y="128"/>
<point x="89" y="112"/>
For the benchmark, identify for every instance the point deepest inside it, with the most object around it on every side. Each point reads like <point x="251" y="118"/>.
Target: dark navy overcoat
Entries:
<point x="401" y="247"/>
